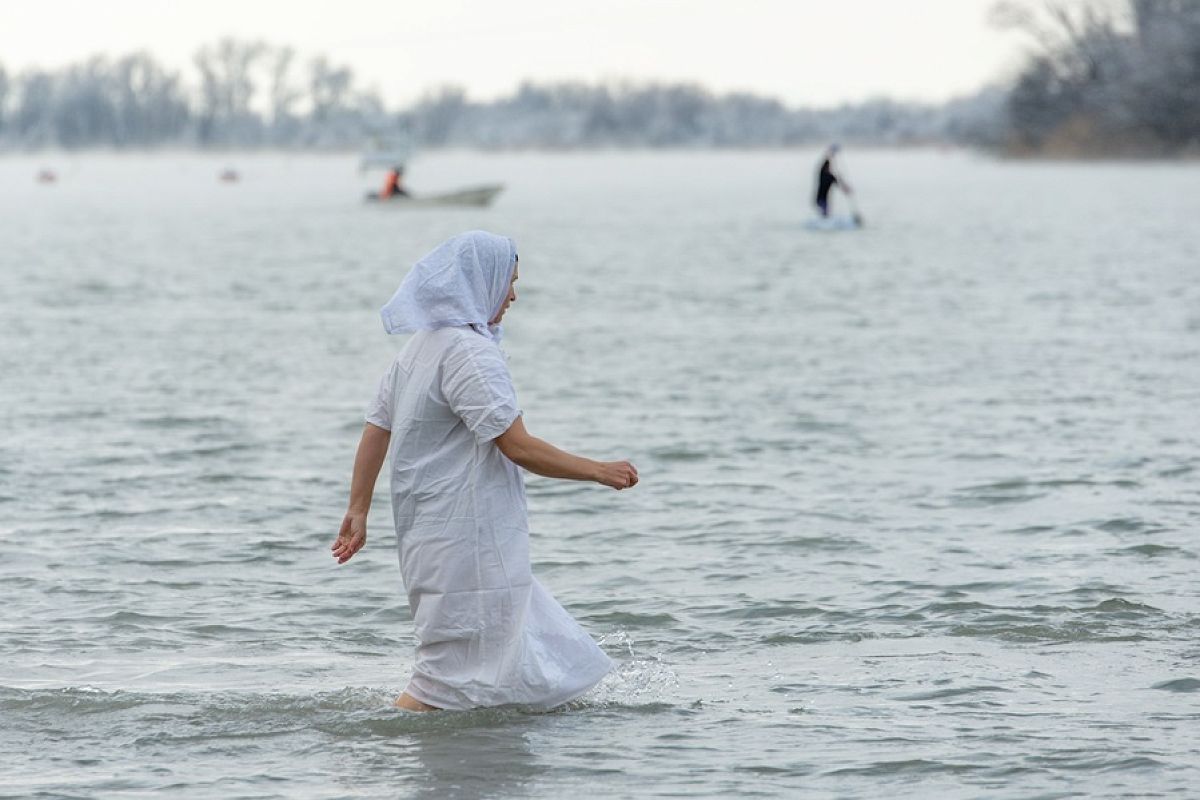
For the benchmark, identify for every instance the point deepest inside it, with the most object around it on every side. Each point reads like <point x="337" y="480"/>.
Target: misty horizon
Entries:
<point x="1100" y="83"/>
<point x="435" y="88"/>
<point x="803" y="53"/>
<point x="250" y="93"/>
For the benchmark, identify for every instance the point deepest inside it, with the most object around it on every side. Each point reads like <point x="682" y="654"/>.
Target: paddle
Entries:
<point x="854" y="212"/>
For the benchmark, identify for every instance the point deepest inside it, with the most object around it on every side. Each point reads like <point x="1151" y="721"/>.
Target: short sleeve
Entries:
<point x="379" y="411"/>
<point x="479" y="389"/>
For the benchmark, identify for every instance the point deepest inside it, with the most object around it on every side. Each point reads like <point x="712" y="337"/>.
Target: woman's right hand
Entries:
<point x="617" y="474"/>
<point x="351" y="537"/>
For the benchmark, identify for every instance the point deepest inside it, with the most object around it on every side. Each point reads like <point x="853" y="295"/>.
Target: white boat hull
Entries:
<point x="834" y="223"/>
<point x="472" y="196"/>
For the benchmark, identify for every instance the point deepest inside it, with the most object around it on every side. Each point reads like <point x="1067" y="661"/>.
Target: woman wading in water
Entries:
<point x="488" y="633"/>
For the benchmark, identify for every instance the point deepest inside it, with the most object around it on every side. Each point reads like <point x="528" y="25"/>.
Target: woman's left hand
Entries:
<point x="351" y="537"/>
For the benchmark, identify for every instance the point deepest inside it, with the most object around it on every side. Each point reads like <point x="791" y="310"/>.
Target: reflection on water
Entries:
<point x="476" y="762"/>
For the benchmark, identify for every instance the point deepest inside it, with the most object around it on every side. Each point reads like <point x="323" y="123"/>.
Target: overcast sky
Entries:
<point x="811" y="52"/>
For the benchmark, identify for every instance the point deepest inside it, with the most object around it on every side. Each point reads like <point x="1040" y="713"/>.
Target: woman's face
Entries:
<point x="508" y="301"/>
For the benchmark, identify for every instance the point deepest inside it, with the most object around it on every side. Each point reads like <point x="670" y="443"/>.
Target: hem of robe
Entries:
<point x="608" y="667"/>
<point x="421" y="697"/>
<point x="590" y="684"/>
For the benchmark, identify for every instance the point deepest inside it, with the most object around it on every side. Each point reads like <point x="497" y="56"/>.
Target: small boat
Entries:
<point x="47" y="176"/>
<point x="229" y="175"/>
<point x="840" y="222"/>
<point x="471" y="196"/>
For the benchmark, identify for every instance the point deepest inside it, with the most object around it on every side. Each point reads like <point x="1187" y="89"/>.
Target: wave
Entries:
<point x="634" y="687"/>
<point x="1179" y="685"/>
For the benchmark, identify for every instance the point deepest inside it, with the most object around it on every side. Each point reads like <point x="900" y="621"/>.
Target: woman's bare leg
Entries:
<point x="410" y="703"/>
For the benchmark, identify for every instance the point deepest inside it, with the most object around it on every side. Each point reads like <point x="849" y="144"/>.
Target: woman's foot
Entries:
<point x="410" y="703"/>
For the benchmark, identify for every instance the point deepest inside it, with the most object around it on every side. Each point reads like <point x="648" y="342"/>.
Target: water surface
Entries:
<point x="918" y="514"/>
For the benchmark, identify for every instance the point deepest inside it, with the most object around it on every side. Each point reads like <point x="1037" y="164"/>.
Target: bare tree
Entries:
<point x="1107" y="76"/>
<point x="436" y="115"/>
<point x="228" y="88"/>
<point x="329" y="87"/>
<point x="150" y="105"/>
<point x="32" y="116"/>
<point x="4" y="84"/>
<point x="284" y="92"/>
<point x="249" y="94"/>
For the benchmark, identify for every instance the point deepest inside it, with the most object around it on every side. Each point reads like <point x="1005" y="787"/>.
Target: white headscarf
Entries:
<point x="463" y="281"/>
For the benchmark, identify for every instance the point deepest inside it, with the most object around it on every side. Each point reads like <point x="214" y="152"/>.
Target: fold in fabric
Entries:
<point x="462" y="281"/>
<point x="488" y="633"/>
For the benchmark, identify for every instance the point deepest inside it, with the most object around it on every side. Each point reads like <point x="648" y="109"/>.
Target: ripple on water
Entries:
<point x="945" y="694"/>
<point x="633" y="619"/>
<point x="1008" y="492"/>
<point x="1154" y="551"/>
<point x="670" y="454"/>
<point x="765" y="610"/>
<point x="907" y="767"/>
<point x="1123" y="525"/>
<point x="205" y="422"/>
<point x="824" y="635"/>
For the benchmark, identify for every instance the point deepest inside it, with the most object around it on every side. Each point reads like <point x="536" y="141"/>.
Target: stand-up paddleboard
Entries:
<point x="473" y="196"/>
<point x="838" y="222"/>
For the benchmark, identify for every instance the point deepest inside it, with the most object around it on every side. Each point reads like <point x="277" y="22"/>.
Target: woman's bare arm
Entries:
<point x="543" y="458"/>
<point x="372" y="450"/>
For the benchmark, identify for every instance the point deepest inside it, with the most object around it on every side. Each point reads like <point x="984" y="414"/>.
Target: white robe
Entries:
<point x="488" y="633"/>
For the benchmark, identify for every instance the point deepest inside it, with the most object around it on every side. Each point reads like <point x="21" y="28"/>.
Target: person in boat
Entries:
<point x="393" y="184"/>
<point x="827" y="179"/>
<point x="446" y="414"/>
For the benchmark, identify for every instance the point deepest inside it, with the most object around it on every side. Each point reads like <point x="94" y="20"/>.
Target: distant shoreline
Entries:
<point x="999" y="154"/>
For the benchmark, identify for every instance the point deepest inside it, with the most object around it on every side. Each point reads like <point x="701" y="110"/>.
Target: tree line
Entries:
<point x="242" y="93"/>
<point x="567" y="115"/>
<point x="249" y="94"/>
<point x="1106" y="78"/>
